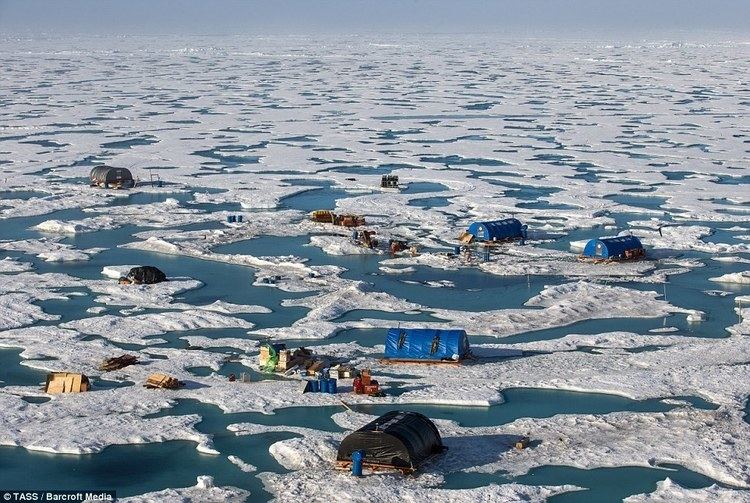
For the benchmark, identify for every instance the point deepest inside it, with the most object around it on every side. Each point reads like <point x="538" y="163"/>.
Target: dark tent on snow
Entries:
<point x="399" y="440"/>
<point x="145" y="275"/>
<point x="426" y="344"/>
<point x="111" y="178"/>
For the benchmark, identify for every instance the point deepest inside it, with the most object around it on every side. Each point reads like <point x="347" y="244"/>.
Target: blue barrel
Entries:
<point x="486" y="255"/>
<point x="315" y="386"/>
<point x="357" y="458"/>
<point x="355" y="235"/>
<point x="239" y="218"/>
<point x="332" y="386"/>
<point x="160" y="183"/>
<point x="323" y="385"/>
<point x="457" y="250"/>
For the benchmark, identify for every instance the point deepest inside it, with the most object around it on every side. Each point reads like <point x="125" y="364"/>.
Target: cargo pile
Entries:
<point x="364" y="384"/>
<point x="329" y="217"/>
<point x="118" y="362"/>
<point x="66" y="382"/>
<point x="162" y="381"/>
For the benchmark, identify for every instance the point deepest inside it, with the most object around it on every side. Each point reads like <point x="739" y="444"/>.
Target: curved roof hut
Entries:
<point x="145" y="275"/>
<point x="617" y="248"/>
<point x="497" y="230"/>
<point x="399" y="440"/>
<point x="111" y="178"/>
<point x="426" y="344"/>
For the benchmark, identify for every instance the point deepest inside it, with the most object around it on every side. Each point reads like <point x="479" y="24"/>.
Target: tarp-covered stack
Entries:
<point x="426" y="344"/>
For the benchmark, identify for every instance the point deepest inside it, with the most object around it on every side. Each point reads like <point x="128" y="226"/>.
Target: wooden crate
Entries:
<point x="162" y="381"/>
<point x="66" y="382"/>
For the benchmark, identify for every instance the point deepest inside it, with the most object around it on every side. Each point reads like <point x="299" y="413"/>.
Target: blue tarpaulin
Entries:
<point x="611" y="247"/>
<point x="426" y="344"/>
<point x="510" y="228"/>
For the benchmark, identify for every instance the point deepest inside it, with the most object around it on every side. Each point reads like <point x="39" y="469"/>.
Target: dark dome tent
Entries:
<point x="145" y="275"/>
<point x="426" y="344"/>
<point x="498" y="230"/>
<point x="616" y="248"/>
<point x="399" y="440"/>
<point x="111" y="178"/>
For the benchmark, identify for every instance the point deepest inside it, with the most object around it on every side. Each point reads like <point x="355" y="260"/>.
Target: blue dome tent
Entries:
<point x="426" y="344"/>
<point x="498" y="230"/>
<point x="616" y="248"/>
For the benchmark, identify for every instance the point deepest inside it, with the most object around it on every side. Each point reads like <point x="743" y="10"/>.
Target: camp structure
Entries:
<point x="66" y="382"/>
<point x="277" y="358"/>
<point x="144" y="275"/>
<point x="389" y="182"/>
<point x="615" y="248"/>
<point x="396" y="440"/>
<point x="108" y="177"/>
<point x="329" y="217"/>
<point x="118" y="362"/>
<point x="350" y="220"/>
<point x="365" y="239"/>
<point x="426" y="345"/>
<point x="364" y="384"/>
<point x="273" y="356"/>
<point x="162" y="381"/>
<point x="509" y="229"/>
<point x="323" y="216"/>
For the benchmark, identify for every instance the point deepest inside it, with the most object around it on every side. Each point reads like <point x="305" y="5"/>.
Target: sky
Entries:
<point x="535" y="17"/>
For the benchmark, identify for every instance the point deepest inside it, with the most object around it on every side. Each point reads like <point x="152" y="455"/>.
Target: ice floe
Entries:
<point x="204" y="490"/>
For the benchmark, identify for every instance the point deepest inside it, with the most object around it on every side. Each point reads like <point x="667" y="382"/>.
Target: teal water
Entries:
<point x="472" y="290"/>
<point x="601" y="485"/>
<point x="13" y="373"/>
<point x="430" y="202"/>
<point x="21" y="194"/>
<point x="320" y="198"/>
<point x="530" y="402"/>
<point x="176" y="464"/>
<point x="645" y="202"/>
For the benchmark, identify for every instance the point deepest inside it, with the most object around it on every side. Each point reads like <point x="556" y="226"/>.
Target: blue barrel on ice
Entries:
<point x="357" y="458"/>
<point x="231" y="218"/>
<point x="456" y="250"/>
<point x="487" y="255"/>
<point x="323" y="385"/>
<point x="239" y="219"/>
<point x="332" y="386"/>
<point x="314" y="386"/>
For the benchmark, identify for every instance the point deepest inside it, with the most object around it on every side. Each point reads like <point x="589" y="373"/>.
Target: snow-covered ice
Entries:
<point x="476" y="128"/>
